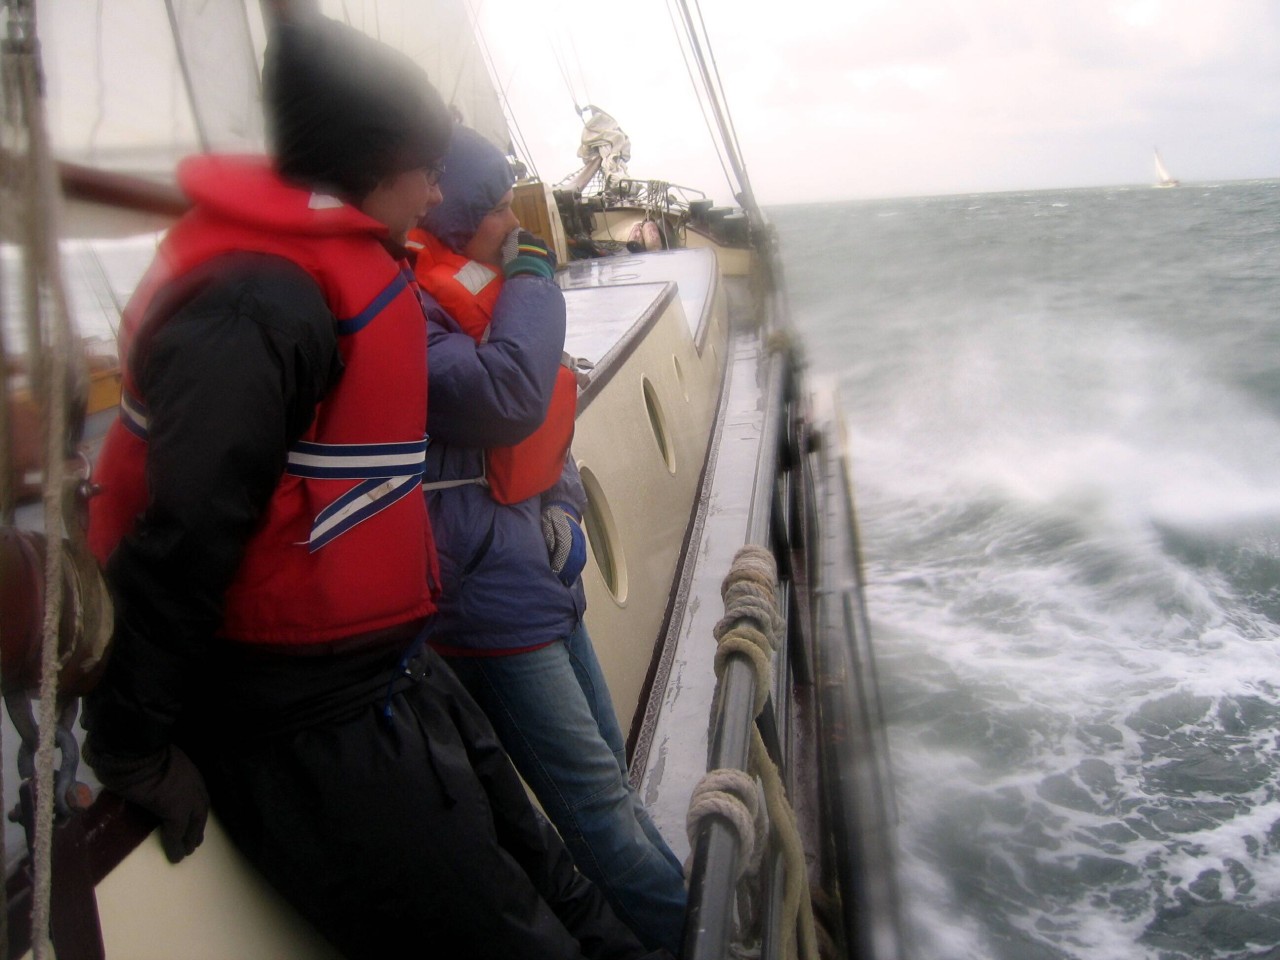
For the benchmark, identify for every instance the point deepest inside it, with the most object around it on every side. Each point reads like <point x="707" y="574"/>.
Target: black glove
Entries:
<point x="165" y="783"/>
<point x="522" y="253"/>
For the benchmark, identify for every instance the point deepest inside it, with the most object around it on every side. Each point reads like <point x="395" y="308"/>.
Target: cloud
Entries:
<point x="971" y="85"/>
<point x="876" y="97"/>
<point x="862" y="98"/>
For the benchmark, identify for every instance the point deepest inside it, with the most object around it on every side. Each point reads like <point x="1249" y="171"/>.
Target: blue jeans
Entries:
<point x="552" y="712"/>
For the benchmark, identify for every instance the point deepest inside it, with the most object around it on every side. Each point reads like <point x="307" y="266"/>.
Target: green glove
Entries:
<point x="523" y="253"/>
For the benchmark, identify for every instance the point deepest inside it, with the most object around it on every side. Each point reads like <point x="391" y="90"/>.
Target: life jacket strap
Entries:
<point x="356" y="461"/>
<point x="388" y="471"/>
<point x="133" y="415"/>
<point x="450" y="484"/>
<point x="357" y="505"/>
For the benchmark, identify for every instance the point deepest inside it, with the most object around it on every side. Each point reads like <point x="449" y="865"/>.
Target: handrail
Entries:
<point x="709" y="927"/>
<point x="857" y="781"/>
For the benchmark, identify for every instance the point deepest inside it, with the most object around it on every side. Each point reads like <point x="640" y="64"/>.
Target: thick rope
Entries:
<point x="731" y="794"/>
<point x="797" y="908"/>
<point x="49" y="369"/>
<point x="9" y="191"/>
<point x="752" y="625"/>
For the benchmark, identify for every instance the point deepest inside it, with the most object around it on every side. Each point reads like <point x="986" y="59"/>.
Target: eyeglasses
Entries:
<point x="434" y="173"/>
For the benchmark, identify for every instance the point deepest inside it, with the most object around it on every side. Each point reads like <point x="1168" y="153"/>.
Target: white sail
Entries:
<point x="199" y="80"/>
<point x="119" y="97"/>
<point x="1163" y="177"/>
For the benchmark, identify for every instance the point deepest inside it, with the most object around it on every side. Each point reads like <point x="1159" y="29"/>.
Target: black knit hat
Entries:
<point x="344" y="111"/>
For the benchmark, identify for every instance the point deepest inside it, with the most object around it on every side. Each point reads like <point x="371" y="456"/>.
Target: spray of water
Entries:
<point x="1072" y="529"/>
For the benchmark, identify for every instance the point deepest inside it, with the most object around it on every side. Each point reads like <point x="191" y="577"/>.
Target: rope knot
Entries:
<point x="752" y="624"/>
<point x="733" y="795"/>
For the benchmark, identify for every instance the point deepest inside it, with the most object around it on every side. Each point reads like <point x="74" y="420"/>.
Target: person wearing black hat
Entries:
<point x="271" y="560"/>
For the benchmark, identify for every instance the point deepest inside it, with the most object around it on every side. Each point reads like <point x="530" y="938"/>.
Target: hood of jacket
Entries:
<point x="476" y="176"/>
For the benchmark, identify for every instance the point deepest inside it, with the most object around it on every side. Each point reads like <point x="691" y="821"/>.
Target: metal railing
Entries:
<point x="802" y="510"/>
<point x="712" y="887"/>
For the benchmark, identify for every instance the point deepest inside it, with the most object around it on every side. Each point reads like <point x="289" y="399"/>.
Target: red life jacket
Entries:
<point x="344" y="546"/>
<point x="468" y="291"/>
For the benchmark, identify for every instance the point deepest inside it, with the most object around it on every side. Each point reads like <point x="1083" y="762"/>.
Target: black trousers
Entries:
<point x="390" y="816"/>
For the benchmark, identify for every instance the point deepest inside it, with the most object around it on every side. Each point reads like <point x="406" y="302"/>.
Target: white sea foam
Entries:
<point x="1064" y="458"/>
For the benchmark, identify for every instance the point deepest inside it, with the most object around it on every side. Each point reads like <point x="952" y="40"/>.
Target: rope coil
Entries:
<point x="732" y="794"/>
<point x="49" y="338"/>
<point x="753" y="626"/>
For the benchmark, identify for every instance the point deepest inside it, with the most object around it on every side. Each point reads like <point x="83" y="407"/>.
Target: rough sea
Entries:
<point x="1064" y="418"/>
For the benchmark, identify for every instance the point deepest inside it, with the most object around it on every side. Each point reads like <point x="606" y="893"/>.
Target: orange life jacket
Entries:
<point x="342" y="548"/>
<point x="468" y="291"/>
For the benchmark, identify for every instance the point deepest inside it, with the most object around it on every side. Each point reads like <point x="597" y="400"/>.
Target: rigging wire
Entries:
<point x="467" y="50"/>
<point x="708" y="84"/>
<point x="582" y="74"/>
<point x="110" y="302"/>
<point x="715" y="70"/>
<point x="746" y="197"/>
<point x="564" y="75"/>
<point x="100" y="92"/>
<point x="698" y="95"/>
<point x="188" y="80"/>
<point x="491" y="70"/>
<point x="525" y="152"/>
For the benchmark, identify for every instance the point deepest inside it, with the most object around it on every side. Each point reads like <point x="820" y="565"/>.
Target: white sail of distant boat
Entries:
<point x="1163" y="177"/>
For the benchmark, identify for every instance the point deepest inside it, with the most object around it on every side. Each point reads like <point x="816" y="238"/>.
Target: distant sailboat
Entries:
<point x="1163" y="177"/>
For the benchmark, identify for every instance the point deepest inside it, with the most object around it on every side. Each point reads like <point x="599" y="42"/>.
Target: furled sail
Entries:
<point x="602" y="137"/>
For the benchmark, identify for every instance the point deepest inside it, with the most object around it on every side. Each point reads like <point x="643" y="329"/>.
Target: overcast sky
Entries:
<point x="864" y="98"/>
<point x="832" y="99"/>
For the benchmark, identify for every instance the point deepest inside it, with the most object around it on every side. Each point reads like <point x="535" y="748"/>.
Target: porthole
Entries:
<point x="602" y="534"/>
<point x="684" y="389"/>
<point x="658" y="424"/>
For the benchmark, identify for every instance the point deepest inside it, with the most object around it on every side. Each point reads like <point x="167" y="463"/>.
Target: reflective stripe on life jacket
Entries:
<point x="388" y="470"/>
<point x="468" y="292"/>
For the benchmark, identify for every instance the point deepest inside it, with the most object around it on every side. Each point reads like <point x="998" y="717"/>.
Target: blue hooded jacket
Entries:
<point x="499" y="593"/>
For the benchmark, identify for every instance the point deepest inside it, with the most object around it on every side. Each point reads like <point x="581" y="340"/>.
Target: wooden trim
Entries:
<point x="92" y="185"/>
<point x="98" y="839"/>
